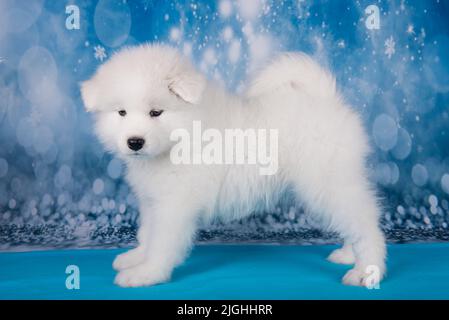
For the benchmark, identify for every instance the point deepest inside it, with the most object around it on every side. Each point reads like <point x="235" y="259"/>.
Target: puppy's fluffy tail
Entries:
<point x="297" y="71"/>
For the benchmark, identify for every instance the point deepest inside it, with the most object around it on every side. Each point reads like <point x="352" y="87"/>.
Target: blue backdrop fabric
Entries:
<point x="415" y="271"/>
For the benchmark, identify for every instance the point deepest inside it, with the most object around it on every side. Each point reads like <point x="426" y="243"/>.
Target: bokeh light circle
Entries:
<point x="112" y="22"/>
<point x="419" y="175"/>
<point x="385" y="132"/>
<point x="37" y="76"/>
<point x="403" y="145"/>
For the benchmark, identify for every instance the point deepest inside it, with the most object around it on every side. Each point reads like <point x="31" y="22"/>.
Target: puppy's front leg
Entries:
<point x="169" y="236"/>
<point x="137" y="255"/>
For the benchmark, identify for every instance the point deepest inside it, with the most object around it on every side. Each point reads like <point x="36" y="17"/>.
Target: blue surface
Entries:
<point x="416" y="271"/>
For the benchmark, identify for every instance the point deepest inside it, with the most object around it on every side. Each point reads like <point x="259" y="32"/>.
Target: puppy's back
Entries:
<point x="294" y="71"/>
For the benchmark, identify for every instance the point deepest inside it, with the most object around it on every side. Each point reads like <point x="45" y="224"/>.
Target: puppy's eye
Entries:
<point x="122" y="113"/>
<point x="155" y="113"/>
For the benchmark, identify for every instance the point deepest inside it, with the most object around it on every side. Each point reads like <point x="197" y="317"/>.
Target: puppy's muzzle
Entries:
<point x="135" y="143"/>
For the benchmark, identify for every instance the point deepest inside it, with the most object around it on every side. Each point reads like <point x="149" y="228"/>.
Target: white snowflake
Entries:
<point x="2" y="59"/>
<point x="410" y="29"/>
<point x="100" y="53"/>
<point x="390" y="47"/>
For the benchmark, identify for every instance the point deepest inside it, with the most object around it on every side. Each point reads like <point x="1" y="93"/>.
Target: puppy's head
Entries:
<point x="140" y="96"/>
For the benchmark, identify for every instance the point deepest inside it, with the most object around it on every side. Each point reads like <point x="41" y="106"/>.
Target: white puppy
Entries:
<point x="143" y="94"/>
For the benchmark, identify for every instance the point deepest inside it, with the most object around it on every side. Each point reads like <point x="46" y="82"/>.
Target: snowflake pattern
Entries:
<point x="2" y="59"/>
<point x="100" y="53"/>
<point x="390" y="47"/>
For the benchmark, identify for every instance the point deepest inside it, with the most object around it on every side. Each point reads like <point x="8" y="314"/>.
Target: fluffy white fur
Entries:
<point x="322" y="151"/>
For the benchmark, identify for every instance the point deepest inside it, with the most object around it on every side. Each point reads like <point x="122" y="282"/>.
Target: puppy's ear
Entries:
<point x="89" y="95"/>
<point x="187" y="86"/>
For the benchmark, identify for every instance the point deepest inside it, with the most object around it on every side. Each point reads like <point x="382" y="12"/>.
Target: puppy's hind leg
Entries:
<point x="354" y="213"/>
<point x="343" y="255"/>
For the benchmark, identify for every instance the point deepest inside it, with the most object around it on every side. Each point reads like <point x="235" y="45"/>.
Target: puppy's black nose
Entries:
<point x="135" y="143"/>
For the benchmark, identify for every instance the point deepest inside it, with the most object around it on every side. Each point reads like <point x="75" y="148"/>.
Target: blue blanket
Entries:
<point x="415" y="271"/>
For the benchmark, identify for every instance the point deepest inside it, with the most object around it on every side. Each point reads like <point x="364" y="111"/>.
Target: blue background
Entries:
<point x="58" y="187"/>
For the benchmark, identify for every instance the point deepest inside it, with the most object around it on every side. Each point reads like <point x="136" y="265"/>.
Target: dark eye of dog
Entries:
<point x="155" y="113"/>
<point x="122" y="113"/>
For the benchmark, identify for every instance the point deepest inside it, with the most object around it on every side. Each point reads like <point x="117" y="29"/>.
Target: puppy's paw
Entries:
<point x="360" y="277"/>
<point x="342" y="256"/>
<point x="139" y="276"/>
<point x="129" y="259"/>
